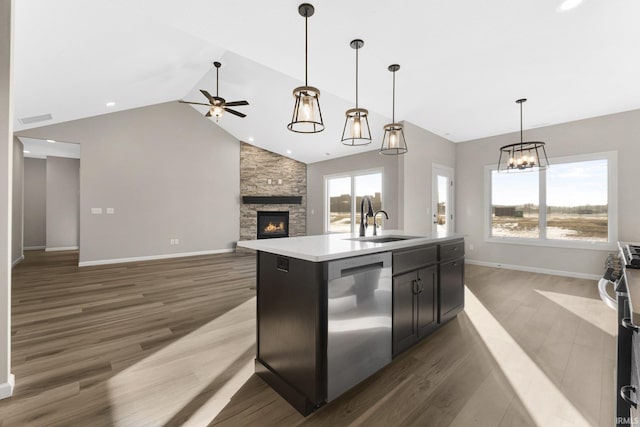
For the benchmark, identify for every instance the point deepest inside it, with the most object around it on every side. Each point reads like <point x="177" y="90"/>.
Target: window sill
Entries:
<point x="569" y="244"/>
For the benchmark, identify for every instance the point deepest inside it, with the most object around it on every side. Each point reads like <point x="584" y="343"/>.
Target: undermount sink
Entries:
<point x="382" y="239"/>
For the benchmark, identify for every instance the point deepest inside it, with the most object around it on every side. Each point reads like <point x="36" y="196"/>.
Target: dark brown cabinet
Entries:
<point x="415" y="313"/>
<point x="451" y="289"/>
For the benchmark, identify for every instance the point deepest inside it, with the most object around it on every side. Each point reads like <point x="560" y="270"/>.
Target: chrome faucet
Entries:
<point x="364" y="217"/>
<point x="375" y="225"/>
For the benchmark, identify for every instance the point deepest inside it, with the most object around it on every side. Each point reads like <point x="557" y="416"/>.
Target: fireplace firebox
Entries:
<point x="273" y="224"/>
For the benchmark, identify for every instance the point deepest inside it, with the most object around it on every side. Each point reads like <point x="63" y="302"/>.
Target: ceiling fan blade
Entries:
<point x="235" y="103"/>
<point x="237" y="113"/>
<point x="208" y="114"/>
<point x="207" y="94"/>
<point x="196" y="103"/>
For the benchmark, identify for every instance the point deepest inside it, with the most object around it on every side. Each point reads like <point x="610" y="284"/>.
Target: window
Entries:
<point x="344" y="194"/>
<point x="572" y="203"/>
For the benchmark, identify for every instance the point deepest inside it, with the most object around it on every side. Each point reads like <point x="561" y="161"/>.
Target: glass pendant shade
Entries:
<point x="393" y="141"/>
<point x="307" y="117"/>
<point x="524" y="155"/>
<point x="356" y="125"/>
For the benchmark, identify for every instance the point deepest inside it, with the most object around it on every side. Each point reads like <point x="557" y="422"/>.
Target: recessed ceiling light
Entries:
<point x="51" y="140"/>
<point x="110" y="104"/>
<point x="26" y="151"/>
<point x="568" y="5"/>
<point x="289" y="151"/>
<point x="250" y="139"/>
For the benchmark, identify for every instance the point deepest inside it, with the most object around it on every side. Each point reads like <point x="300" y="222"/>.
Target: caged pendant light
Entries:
<point x="393" y="141"/>
<point x="356" y="126"/>
<point x="307" y="117"/>
<point x="523" y="155"/>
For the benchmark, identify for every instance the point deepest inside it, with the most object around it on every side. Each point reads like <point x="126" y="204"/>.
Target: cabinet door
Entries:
<point x="404" y="312"/>
<point x="427" y="300"/>
<point x="451" y="289"/>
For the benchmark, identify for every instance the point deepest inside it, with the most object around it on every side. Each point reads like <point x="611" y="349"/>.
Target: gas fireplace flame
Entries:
<point x="273" y="228"/>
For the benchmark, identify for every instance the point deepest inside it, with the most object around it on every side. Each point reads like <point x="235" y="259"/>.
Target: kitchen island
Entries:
<point x="334" y="309"/>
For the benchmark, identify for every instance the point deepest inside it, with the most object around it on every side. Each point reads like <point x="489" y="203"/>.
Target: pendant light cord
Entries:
<point x="393" y="114"/>
<point x="217" y="83"/>
<point x="357" y="49"/>
<point x="521" y="138"/>
<point x="306" y="50"/>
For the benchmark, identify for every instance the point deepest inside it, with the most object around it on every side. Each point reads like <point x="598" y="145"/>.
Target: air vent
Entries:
<point x="35" y="119"/>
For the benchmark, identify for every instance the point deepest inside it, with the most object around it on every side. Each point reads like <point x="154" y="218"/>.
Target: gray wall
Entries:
<point x="368" y="160"/>
<point x="415" y="168"/>
<point x="35" y="202"/>
<point x="6" y="147"/>
<point x="63" y="203"/>
<point x="607" y="133"/>
<point x="17" y="202"/>
<point x="166" y="170"/>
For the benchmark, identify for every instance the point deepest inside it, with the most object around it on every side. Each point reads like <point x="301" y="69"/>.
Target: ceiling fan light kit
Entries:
<point x="356" y="129"/>
<point x="217" y="105"/>
<point x="524" y="155"/>
<point x="307" y="116"/>
<point x="393" y="141"/>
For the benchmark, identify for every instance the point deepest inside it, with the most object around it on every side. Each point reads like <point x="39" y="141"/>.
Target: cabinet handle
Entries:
<point x="626" y="323"/>
<point x="454" y="264"/>
<point x="414" y="287"/>
<point x="623" y="394"/>
<point x="420" y="285"/>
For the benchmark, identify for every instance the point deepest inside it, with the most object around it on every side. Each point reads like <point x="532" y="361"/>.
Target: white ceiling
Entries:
<point x="463" y="62"/>
<point x="41" y="149"/>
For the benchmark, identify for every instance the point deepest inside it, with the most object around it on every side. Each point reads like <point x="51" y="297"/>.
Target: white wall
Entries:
<point x="17" y="202"/>
<point x="62" y="203"/>
<point x="414" y="193"/>
<point x="35" y="202"/>
<point x="607" y="133"/>
<point x="6" y="160"/>
<point x="167" y="171"/>
<point x="368" y="160"/>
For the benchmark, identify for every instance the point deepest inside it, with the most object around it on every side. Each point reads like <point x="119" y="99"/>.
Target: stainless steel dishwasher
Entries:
<point x="358" y="320"/>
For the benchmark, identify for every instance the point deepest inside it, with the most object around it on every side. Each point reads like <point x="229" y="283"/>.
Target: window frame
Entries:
<point x="352" y="175"/>
<point x="612" y="202"/>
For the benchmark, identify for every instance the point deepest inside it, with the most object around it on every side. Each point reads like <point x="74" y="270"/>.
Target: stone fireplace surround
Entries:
<point x="263" y="173"/>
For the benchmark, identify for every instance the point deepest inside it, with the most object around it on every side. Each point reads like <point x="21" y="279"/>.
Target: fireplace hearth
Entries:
<point x="272" y="225"/>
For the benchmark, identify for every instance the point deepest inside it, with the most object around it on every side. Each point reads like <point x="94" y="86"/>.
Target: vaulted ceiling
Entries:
<point x="463" y="63"/>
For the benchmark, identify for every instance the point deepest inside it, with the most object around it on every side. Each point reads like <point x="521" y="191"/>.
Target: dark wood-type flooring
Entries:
<point x="168" y="343"/>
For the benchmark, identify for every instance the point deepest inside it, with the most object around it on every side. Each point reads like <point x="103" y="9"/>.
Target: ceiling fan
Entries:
<point x="217" y="106"/>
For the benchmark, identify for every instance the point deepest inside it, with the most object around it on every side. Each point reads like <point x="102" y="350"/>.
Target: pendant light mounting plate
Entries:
<point x="217" y="64"/>
<point x="394" y="67"/>
<point x="306" y="10"/>
<point x="356" y="44"/>
<point x="520" y="101"/>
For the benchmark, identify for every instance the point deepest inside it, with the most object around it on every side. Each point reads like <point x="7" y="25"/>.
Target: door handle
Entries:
<point x="624" y="390"/>
<point x="626" y="323"/>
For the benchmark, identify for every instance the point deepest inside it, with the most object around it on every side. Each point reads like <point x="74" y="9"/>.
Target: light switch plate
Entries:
<point x="111" y="211"/>
<point x="96" y="211"/>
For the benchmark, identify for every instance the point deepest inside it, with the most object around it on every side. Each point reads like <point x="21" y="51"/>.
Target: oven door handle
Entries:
<point x="623" y="394"/>
<point x="626" y="323"/>
<point x="605" y="296"/>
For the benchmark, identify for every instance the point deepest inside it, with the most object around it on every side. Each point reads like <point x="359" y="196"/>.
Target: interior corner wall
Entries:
<point x="362" y="161"/>
<point x="617" y="132"/>
<point x="17" y="202"/>
<point x="62" y="203"/>
<point x="35" y="198"/>
<point x="425" y="149"/>
<point x="168" y="173"/>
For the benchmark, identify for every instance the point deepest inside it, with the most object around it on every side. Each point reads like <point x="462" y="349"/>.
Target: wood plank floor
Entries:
<point x="168" y="343"/>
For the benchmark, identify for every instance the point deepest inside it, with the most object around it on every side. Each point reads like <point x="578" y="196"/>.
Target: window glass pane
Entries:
<point x="577" y="202"/>
<point x="514" y="205"/>
<point x="339" y="191"/>
<point x="443" y="203"/>
<point x="368" y="185"/>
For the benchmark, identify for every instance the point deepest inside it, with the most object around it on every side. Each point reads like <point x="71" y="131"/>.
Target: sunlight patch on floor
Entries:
<point x="593" y="311"/>
<point x="546" y="405"/>
<point x="154" y="390"/>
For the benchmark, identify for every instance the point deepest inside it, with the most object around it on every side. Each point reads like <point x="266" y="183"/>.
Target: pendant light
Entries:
<point x="523" y="155"/>
<point x="307" y="117"/>
<point x="393" y="141"/>
<point x="356" y="126"/>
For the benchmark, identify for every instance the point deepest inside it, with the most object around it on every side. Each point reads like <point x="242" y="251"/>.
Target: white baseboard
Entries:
<point x="534" y="269"/>
<point x="61" y="248"/>
<point x="6" y="389"/>
<point x="34" y="248"/>
<point x="17" y="261"/>
<point x="152" y="257"/>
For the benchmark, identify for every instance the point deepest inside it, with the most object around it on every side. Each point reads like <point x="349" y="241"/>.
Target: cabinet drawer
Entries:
<point x="412" y="259"/>
<point x="451" y="250"/>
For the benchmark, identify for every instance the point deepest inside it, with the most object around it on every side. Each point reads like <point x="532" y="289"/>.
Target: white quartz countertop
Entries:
<point x="326" y="247"/>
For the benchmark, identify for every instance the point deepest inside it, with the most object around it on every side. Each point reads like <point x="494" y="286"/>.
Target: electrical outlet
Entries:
<point x="111" y="211"/>
<point x="96" y="211"/>
<point x="171" y="242"/>
<point x="177" y="241"/>
<point x="470" y="246"/>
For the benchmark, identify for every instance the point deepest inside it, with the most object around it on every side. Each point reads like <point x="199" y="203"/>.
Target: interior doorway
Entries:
<point x="442" y="199"/>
